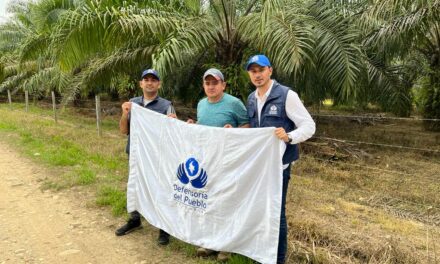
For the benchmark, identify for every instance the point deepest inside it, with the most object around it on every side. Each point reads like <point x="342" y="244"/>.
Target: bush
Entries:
<point x="430" y="99"/>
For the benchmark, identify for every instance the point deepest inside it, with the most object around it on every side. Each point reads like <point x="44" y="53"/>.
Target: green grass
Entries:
<point x="86" y="176"/>
<point x="72" y="148"/>
<point x="113" y="197"/>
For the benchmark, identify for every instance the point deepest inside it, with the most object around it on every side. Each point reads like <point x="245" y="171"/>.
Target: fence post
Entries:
<point x="10" y="99"/>
<point x="98" y="114"/>
<point x="26" y="98"/>
<point x="54" y="106"/>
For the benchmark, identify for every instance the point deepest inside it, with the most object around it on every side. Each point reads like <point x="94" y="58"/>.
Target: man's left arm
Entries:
<point x="241" y="115"/>
<point x="296" y="111"/>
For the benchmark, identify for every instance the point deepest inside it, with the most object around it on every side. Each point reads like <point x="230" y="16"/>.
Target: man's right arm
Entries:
<point x="123" y="122"/>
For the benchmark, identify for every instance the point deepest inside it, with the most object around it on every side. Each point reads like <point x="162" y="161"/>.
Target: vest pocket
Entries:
<point x="274" y="120"/>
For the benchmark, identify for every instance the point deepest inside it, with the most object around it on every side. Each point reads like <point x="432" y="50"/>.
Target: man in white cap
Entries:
<point x="275" y="105"/>
<point x="219" y="109"/>
<point x="150" y="85"/>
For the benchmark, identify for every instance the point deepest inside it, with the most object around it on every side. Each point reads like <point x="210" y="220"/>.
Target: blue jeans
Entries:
<point x="282" y="241"/>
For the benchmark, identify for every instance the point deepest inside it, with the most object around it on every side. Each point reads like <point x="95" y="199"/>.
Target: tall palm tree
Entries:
<point x="398" y="30"/>
<point x="317" y="46"/>
<point x="26" y="55"/>
<point x="308" y="44"/>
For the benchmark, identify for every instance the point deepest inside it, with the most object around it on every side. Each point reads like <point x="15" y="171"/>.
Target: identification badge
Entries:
<point x="273" y="110"/>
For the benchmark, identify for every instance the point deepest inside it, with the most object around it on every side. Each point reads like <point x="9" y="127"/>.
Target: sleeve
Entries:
<point x="171" y="110"/>
<point x="199" y="107"/>
<point x="240" y="112"/>
<point x="128" y="123"/>
<point x="128" y="118"/>
<point x="296" y="111"/>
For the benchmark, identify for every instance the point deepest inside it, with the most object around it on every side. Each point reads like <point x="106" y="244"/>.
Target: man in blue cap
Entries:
<point x="150" y="84"/>
<point x="275" y="105"/>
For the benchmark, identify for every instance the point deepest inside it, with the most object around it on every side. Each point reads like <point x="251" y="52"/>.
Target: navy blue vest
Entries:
<point x="274" y="114"/>
<point x="159" y="105"/>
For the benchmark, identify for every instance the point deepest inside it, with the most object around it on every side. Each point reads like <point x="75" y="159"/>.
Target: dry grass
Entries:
<point x="382" y="206"/>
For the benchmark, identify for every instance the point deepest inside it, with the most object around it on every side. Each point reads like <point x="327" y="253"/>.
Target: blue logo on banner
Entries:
<point x="189" y="172"/>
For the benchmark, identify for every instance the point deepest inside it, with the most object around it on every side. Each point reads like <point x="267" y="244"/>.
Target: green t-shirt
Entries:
<point x="229" y="110"/>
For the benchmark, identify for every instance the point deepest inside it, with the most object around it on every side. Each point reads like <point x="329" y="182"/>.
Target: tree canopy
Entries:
<point x="355" y="52"/>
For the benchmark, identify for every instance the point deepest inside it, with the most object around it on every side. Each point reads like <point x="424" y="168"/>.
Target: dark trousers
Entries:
<point x="136" y="216"/>
<point x="282" y="241"/>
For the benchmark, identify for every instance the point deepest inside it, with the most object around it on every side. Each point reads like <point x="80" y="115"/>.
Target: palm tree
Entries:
<point x="319" y="47"/>
<point x="309" y="45"/>
<point x="399" y="30"/>
<point x="28" y="63"/>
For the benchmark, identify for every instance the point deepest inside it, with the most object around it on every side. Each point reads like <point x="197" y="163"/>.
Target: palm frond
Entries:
<point x="184" y="44"/>
<point x="289" y="43"/>
<point x="47" y="13"/>
<point x="11" y="34"/>
<point x="14" y="82"/>
<point x="387" y="87"/>
<point x="46" y="80"/>
<point x="34" y="47"/>
<point x="80" y="35"/>
<point x="398" y="22"/>
<point x="134" y="26"/>
<point x="99" y="71"/>
<point x="337" y="50"/>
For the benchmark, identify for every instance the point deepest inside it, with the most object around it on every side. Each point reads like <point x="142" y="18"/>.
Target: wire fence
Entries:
<point x="376" y="170"/>
<point x="375" y="117"/>
<point x="377" y="144"/>
<point x="99" y="109"/>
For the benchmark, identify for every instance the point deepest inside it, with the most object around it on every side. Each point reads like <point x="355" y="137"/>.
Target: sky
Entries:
<point x="3" y="4"/>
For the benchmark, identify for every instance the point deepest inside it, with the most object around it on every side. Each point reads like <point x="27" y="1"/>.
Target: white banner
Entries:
<point x="212" y="187"/>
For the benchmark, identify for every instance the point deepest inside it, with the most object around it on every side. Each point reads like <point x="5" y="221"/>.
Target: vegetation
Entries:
<point x="354" y="52"/>
<point x="346" y="204"/>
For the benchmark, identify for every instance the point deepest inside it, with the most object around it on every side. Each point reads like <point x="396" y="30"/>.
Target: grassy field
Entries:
<point x="347" y="202"/>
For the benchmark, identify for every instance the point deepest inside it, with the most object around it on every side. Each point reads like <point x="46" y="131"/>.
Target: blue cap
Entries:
<point x="259" y="59"/>
<point x="150" y="71"/>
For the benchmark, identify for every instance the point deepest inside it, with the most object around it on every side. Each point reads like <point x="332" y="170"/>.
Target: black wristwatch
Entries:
<point x="290" y="139"/>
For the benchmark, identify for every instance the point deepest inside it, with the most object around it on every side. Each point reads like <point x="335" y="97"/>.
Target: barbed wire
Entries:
<point x="378" y="117"/>
<point x="20" y="98"/>
<point x="376" y="170"/>
<point x="59" y="98"/>
<point x="58" y="107"/>
<point x="338" y="160"/>
<point x="362" y="166"/>
<point x="376" y="144"/>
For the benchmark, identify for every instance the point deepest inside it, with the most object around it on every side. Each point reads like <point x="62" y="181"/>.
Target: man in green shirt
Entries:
<point x="219" y="109"/>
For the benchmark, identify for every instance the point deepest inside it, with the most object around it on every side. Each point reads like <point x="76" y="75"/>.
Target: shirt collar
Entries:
<point x="267" y="92"/>
<point x="149" y="101"/>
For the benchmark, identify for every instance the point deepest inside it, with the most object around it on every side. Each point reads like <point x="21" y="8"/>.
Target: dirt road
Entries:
<point x="57" y="227"/>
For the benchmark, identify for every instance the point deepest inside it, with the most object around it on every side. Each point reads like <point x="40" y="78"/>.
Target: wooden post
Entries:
<point x="26" y="98"/>
<point x="98" y="114"/>
<point x="54" y="107"/>
<point x="10" y="99"/>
